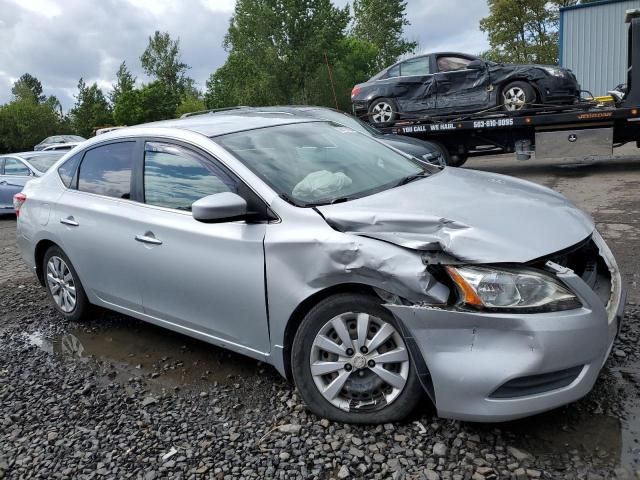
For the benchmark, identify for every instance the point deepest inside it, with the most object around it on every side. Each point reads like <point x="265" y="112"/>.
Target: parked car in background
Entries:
<point x="60" y="147"/>
<point x="451" y="83"/>
<point x="57" y="139"/>
<point x="18" y="168"/>
<point x="426" y="151"/>
<point x="367" y="277"/>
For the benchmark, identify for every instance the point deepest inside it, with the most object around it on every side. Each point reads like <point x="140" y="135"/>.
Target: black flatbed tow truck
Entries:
<point x="583" y="131"/>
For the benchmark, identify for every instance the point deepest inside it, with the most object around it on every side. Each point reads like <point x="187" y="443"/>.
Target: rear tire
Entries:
<point x="63" y="285"/>
<point x="517" y="96"/>
<point x="382" y="111"/>
<point x="342" y="380"/>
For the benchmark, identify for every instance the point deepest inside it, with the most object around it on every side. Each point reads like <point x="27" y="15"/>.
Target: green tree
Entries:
<point x="154" y="101"/>
<point x="190" y="103"/>
<point x="275" y="49"/>
<point x="24" y="122"/>
<point x="381" y="23"/>
<point x="91" y="109"/>
<point x="161" y="60"/>
<point x="125" y="82"/>
<point x="522" y="31"/>
<point x="28" y="86"/>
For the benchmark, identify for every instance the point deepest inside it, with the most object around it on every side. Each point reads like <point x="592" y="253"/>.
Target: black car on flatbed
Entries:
<point x="448" y="82"/>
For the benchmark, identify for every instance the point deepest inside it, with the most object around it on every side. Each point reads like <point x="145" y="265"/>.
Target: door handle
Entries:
<point x="69" y="221"/>
<point x="148" y="237"/>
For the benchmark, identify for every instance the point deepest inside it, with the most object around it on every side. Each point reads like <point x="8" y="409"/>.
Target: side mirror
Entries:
<point x="476" y="64"/>
<point x="219" y="207"/>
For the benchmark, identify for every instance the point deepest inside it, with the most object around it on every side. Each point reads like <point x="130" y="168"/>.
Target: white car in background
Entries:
<point x="61" y="147"/>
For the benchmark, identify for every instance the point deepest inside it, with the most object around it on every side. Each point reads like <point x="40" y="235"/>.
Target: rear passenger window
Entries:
<point x="106" y="170"/>
<point x="393" y="72"/>
<point x="16" y="168"/>
<point x="175" y="177"/>
<point x="415" y="67"/>
<point x="68" y="170"/>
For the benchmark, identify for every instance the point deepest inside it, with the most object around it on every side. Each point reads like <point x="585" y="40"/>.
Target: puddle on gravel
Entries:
<point x="164" y="360"/>
<point x="567" y="432"/>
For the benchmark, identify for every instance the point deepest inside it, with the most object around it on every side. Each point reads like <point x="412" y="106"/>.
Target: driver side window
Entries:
<point x="16" y="168"/>
<point x="450" y="63"/>
<point x="175" y="177"/>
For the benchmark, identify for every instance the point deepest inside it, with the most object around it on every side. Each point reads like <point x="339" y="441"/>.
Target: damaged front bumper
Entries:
<point x="497" y="367"/>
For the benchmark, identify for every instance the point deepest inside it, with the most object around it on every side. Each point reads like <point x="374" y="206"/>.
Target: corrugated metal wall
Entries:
<point x="593" y="43"/>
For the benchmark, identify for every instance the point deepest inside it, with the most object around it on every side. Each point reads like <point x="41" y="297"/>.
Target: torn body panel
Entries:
<point x="437" y="214"/>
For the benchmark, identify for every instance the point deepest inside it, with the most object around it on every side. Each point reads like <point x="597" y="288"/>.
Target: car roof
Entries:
<point x="212" y="124"/>
<point x="27" y="155"/>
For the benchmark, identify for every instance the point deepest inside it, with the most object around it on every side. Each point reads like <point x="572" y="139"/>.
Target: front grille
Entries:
<point x="585" y="260"/>
<point x="534" y="384"/>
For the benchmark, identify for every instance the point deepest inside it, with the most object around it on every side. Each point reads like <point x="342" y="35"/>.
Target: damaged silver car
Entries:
<point x="371" y="280"/>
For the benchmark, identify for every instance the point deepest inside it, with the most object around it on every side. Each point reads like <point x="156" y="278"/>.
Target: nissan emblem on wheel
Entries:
<point x="374" y="280"/>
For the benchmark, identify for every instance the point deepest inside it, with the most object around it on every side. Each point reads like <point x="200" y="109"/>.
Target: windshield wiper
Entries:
<point x="411" y="178"/>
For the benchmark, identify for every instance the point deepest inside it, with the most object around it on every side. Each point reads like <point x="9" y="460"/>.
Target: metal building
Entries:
<point x="593" y="43"/>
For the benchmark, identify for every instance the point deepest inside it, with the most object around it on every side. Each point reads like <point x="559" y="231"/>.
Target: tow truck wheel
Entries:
<point x="382" y="110"/>
<point x="518" y="96"/>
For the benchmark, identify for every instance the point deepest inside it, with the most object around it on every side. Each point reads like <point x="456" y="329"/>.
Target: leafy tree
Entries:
<point x="24" y="122"/>
<point x="28" y="86"/>
<point x="125" y="82"/>
<point x="91" y="109"/>
<point x="382" y="22"/>
<point x="161" y="61"/>
<point x="275" y="48"/>
<point x="190" y="103"/>
<point x="522" y="31"/>
<point x="154" y="101"/>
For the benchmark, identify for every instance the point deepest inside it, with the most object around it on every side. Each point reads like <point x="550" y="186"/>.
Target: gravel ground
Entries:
<point x="64" y="418"/>
<point x="117" y="398"/>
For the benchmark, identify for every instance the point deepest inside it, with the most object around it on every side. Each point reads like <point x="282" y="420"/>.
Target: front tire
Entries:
<point x="518" y="96"/>
<point x="351" y="364"/>
<point x="63" y="285"/>
<point x="382" y="111"/>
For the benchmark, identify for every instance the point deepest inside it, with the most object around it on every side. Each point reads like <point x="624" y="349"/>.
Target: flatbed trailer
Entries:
<point x="584" y="131"/>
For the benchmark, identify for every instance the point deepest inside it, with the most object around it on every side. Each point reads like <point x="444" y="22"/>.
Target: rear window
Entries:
<point x="106" y="170"/>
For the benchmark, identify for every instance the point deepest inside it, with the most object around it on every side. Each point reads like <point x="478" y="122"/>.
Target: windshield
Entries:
<point x="320" y="162"/>
<point x="42" y="163"/>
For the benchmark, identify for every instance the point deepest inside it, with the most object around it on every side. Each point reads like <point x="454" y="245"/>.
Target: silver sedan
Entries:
<point x="370" y="280"/>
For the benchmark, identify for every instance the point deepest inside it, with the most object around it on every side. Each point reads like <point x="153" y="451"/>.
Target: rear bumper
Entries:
<point x="471" y="356"/>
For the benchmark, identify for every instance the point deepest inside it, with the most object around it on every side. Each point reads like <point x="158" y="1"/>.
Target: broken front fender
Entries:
<point x="474" y="357"/>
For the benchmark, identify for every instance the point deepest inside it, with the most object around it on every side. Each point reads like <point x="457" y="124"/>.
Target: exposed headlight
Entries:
<point x="503" y="289"/>
<point x="556" y="72"/>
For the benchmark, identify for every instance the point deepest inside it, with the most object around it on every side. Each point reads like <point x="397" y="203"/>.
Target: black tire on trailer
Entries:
<point x="517" y="96"/>
<point x="459" y="159"/>
<point x="443" y="151"/>
<point x="382" y="111"/>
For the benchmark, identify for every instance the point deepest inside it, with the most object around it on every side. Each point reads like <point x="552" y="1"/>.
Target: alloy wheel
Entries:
<point x="514" y="99"/>
<point x="359" y="361"/>
<point x="382" y="112"/>
<point x="61" y="284"/>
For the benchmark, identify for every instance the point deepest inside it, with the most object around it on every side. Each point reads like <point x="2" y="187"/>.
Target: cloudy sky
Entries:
<point x="60" y="41"/>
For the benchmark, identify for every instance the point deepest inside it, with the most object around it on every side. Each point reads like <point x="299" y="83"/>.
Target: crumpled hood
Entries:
<point x="474" y="216"/>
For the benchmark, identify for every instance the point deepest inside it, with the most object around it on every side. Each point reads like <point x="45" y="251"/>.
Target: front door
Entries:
<point x="206" y="277"/>
<point x="460" y="89"/>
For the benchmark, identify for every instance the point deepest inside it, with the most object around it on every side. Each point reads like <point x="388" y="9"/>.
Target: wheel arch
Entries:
<point x="41" y="248"/>
<point x="305" y="307"/>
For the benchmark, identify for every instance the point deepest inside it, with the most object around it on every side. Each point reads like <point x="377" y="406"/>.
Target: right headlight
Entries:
<point x="499" y="289"/>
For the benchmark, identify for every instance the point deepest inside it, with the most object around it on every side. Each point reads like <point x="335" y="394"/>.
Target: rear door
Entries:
<point x="415" y="86"/>
<point x="92" y="219"/>
<point x="460" y="89"/>
<point x="13" y="175"/>
<point x="204" y="277"/>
